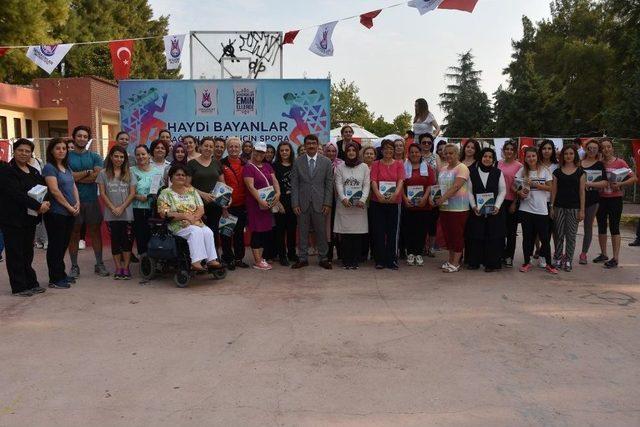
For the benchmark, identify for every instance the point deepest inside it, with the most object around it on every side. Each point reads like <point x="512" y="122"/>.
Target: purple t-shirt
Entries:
<point x="258" y="219"/>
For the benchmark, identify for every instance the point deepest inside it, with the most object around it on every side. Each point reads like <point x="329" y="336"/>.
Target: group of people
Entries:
<point x="349" y="201"/>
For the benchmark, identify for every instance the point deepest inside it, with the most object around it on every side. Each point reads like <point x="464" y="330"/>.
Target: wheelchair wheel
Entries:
<point x="148" y="267"/>
<point x="219" y="273"/>
<point x="181" y="278"/>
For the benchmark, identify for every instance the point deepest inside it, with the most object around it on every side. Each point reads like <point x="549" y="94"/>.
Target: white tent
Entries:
<point x="359" y="134"/>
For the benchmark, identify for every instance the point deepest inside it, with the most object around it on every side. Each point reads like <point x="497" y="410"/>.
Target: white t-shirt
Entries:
<point x="425" y="126"/>
<point x="536" y="201"/>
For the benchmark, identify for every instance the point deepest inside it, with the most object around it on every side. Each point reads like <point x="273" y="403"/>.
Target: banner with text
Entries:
<point x="270" y="111"/>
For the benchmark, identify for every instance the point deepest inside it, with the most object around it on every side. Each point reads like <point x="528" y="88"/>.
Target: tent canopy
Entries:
<point x="359" y="133"/>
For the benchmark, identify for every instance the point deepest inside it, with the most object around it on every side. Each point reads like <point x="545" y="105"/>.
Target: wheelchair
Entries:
<point x="167" y="252"/>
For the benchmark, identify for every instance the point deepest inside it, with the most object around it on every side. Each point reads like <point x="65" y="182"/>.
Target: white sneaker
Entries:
<point x="542" y="263"/>
<point x="45" y="245"/>
<point x="451" y="269"/>
<point x="411" y="260"/>
<point x="446" y="265"/>
<point x="419" y="260"/>
<point x="82" y="245"/>
<point x="39" y="245"/>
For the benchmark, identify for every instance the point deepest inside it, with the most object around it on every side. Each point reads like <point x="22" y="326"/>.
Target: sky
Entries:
<point x="403" y="57"/>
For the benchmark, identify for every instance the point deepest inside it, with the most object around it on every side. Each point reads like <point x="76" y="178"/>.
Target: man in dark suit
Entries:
<point x="311" y="194"/>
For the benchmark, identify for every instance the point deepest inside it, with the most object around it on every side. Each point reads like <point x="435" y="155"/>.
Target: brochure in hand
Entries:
<point x="387" y="188"/>
<point x="618" y="175"/>
<point x="593" y="175"/>
<point x="222" y="194"/>
<point x="353" y="193"/>
<point x="485" y="203"/>
<point x="436" y="192"/>
<point x="268" y="194"/>
<point x="415" y="193"/>
<point x="521" y="184"/>
<point x="37" y="192"/>
<point x="156" y="182"/>
<point x="227" y="225"/>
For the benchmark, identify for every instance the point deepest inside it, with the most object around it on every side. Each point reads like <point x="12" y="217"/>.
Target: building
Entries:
<point x="51" y="108"/>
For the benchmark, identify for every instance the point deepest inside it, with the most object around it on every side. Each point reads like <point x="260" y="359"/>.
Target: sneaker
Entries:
<point x="82" y="245"/>
<point x="125" y="274"/>
<point x="551" y="269"/>
<point x="451" y="268"/>
<point x="635" y="243"/>
<point x="60" y="284"/>
<point x="508" y="262"/>
<point x="583" y="259"/>
<point x="411" y="259"/>
<point x="612" y="263"/>
<point x="74" y="273"/>
<point x="600" y="258"/>
<point x="567" y="266"/>
<point x="117" y="275"/>
<point x="101" y="270"/>
<point x="525" y="268"/>
<point x="45" y="245"/>
<point x="70" y="279"/>
<point x="542" y="263"/>
<point x="241" y="264"/>
<point x="557" y="262"/>
<point x="445" y="265"/>
<point x="262" y="265"/>
<point x="37" y="290"/>
<point x="419" y="260"/>
<point x="39" y="245"/>
<point x="379" y="267"/>
<point x="26" y="293"/>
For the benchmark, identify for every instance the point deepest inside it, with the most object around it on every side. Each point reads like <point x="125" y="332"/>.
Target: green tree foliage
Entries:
<point x="346" y="105"/>
<point x="467" y="107"/>
<point x="93" y="20"/>
<point x="402" y="123"/>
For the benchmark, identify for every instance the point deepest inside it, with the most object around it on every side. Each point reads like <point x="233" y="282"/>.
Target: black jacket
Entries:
<point x="14" y="201"/>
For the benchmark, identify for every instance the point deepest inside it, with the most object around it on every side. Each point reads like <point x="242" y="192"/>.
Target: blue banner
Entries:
<point x="271" y="111"/>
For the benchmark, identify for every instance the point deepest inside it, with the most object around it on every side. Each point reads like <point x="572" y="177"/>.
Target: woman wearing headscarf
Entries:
<point x="179" y="156"/>
<point x="331" y="152"/>
<point x="352" y="184"/>
<point x="486" y="224"/>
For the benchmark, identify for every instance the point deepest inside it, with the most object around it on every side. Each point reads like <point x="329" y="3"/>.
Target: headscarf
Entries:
<point x="480" y="165"/>
<point x="336" y="162"/>
<point x="173" y="153"/>
<point x="351" y="163"/>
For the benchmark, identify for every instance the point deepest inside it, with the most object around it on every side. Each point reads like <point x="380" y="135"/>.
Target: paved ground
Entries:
<point x="367" y="348"/>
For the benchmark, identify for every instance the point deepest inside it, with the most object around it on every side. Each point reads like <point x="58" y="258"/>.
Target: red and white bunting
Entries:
<point x="366" y="19"/>
<point x="48" y="56"/>
<point x="322" y="44"/>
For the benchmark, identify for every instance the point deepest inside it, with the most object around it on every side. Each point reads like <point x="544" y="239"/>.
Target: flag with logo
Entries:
<point x="424" y="6"/>
<point x="121" y="58"/>
<point x="173" y="50"/>
<point x="322" y="44"/>
<point x="206" y="99"/>
<point x="48" y="56"/>
<point x="245" y="99"/>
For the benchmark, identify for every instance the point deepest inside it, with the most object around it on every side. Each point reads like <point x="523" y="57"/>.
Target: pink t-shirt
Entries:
<point x="509" y="171"/>
<point x="616" y="163"/>
<point x="381" y="172"/>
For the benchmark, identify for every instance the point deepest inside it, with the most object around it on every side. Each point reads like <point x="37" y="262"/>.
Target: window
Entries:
<point x="29" y="124"/>
<point x="3" y="128"/>
<point x="17" y="127"/>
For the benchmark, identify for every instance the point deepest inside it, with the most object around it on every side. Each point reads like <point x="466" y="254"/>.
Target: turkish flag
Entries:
<point x="5" y="150"/>
<point x="366" y="19"/>
<point x="4" y="50"/>
<point x="290" y="36"/>
<point x="121" y="57"/>
<point x="525" y="142"/>
<point x="635" y="143"/>
<point x="464" y="5"/>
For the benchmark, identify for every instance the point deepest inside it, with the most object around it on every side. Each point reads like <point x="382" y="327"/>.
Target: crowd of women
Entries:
<point x="356" y="202"/>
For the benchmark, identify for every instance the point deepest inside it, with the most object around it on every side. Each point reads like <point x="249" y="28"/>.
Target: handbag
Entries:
<point x="162" y="246"/>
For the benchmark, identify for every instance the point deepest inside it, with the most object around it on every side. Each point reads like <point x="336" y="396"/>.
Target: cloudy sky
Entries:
<point x="403" y="57"/>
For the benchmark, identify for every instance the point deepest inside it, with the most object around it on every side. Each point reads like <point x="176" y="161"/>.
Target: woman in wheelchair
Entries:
<point x="182" y="206"/>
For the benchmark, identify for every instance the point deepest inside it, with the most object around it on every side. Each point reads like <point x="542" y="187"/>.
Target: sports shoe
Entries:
<point x="26" y="293"/>
<point x="612" y="263"/>
<point x="567" y="266"/>
<point x="508" y="262"/>
<point x="117" y="275"/>
<point x="60" y="284"/>
<point x="101" y="270"/>
<point x="37" y="289"/>
<point x="600" y="258"/>
<point x="39" y="245"/>
<point x="45" y="245"/>
<point x="82" y="245"/>
<point x="525" y="268"/>
<point x="583" y="259"/>
<point x="411" y="259"/>
<point x="262" y="265"/>
<point x="557" y="262"/>
<point x="70" y="280"/>
<point x="551" y="269"/>
<point x="125" y="274"/>
<point x="451" y="268"/>
<point x="241" y="264"/>
<point x="74" y="273"/>
<point x="445" y="265"/>
<point x="635" y="242"/>
<point x="542" y="263"/>
<point x="419" y="260"/>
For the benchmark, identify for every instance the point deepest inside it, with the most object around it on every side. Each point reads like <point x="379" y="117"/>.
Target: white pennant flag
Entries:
<point x="424" y="6"/>
<point x="322" y="44"/>
<point x="48" y="56"/>
<point x="173" y="50"/>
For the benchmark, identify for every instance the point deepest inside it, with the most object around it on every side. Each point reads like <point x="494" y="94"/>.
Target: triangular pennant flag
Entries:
<point x="366" y="19"/>
<point x="322" y="44"/>
<point x="173" y="50"/>
<point x="4" y="50"/>
<point x="121" y="57"/>
<point x="463" y="5"/>
<point x="290" y="36"/>
<point x="48" y="56"/>
<point x="424" y="6"/>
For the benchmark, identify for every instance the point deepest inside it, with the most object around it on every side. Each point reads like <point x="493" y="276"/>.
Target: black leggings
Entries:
<point x="414" y="230"/>
<point x="511" y="230"/>
<point x="259" y="239"/>
<point x="121" y="237"/>
<point x="286" y="224"/>
<point x="609" y="210"/>
<point x="535" y="226"/>
<point x="386" y="218"/>
<point x="141" y="228"/>
<point x="59" y="229"/>
<point x="351" y="249"/>
<point x="233" y="246"/>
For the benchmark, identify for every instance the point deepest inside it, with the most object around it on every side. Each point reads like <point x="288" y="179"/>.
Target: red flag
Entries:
<point x="366" y="19"/>
<point x="4" y="50"/>
<point x="290" y="36"/>
<point x="121" y="57"/>
<point x="464" y="5"/>
<point x="635" y="143"/>
<point x="525" y="143"/>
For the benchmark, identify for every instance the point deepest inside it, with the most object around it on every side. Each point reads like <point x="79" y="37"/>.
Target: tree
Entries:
<point x="26" y="23"/>
<point x="402" y="123"/>
<point x="346" y="105"/>
<point x="467" y="107"/>
<point x="381" y="127"/>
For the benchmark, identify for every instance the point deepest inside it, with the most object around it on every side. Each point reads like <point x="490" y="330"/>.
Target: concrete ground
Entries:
<point x="367" y="348"/>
